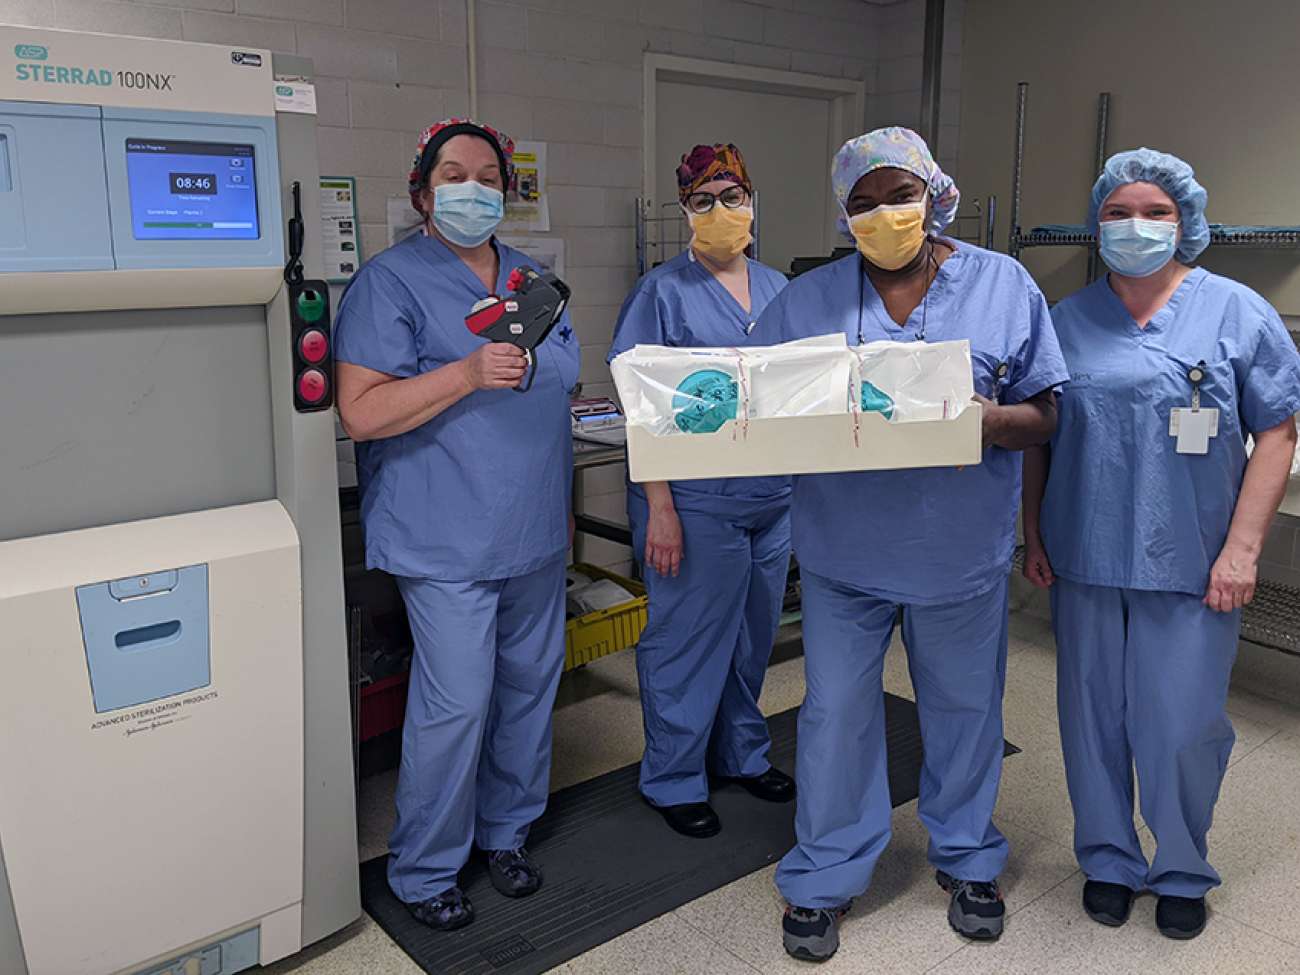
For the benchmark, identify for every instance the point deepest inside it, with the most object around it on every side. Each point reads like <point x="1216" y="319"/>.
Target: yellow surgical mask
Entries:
<point x="890" y="235"/>
<point x="721" y="233"/>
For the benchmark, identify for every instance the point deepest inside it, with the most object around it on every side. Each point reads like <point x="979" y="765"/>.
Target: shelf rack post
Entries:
<point x="640" y="205"/>
<point x="1022" y="97"/>
<point x="1103" y="123"/>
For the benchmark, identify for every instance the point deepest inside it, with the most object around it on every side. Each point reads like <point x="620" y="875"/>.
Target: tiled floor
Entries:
<point x="899" y="926"/>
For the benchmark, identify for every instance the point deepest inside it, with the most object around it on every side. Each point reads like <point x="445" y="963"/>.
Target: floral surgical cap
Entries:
<point x="1169" y="173"/>
<point x="895" y="148"/>
<point x="438" y="134"/>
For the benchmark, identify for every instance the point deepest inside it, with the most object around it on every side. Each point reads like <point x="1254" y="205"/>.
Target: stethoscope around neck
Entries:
<point x="930" y="264"/>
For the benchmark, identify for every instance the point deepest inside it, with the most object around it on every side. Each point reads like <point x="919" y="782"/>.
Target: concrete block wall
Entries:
<point x="564" y="71"/>
<point x="896" y="95"/>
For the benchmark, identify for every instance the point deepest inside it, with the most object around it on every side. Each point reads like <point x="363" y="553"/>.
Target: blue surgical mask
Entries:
<point x="1138" y="248"/>
<point x="467" y="213"/>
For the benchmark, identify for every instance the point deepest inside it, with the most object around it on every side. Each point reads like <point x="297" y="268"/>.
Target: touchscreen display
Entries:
<point x="191" y="190"/>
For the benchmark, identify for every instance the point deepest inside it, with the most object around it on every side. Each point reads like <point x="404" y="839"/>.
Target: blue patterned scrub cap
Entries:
<point x="897" y="148"/>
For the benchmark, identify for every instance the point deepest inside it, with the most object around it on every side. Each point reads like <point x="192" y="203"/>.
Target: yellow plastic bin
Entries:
<point x="606" y="631"/>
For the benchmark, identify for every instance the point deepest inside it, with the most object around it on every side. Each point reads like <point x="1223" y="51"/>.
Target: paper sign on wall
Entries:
<point x="340" y="229"/>
<point x="402" y="219"/>
<point x="527" y="204"/>
<point x="548" y="252"/>
<point x="295" y="94"/>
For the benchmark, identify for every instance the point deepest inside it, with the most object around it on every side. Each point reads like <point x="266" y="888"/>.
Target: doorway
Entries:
<point x="787" y="124"/>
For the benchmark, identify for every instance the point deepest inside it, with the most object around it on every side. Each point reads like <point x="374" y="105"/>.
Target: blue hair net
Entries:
<point x="1169" y="173"/>
<point x="897" y="148"/>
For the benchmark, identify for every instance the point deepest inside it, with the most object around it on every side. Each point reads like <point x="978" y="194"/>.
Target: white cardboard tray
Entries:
<point x="805" y="445"/>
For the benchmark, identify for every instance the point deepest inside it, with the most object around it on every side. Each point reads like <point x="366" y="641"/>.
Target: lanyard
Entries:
<point x="925" y="299"/>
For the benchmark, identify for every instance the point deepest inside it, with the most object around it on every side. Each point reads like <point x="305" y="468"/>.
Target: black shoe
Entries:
<point x="772" y="786"/>
<point x="513" y="872"/>
<point x="694" y="819"/>
<point x="812" y="933"/>
<point x="1107" y="903"/>
<point x="1180" y="918"/>
<point x="448" y="911"/>
<point x="976" y="910"/>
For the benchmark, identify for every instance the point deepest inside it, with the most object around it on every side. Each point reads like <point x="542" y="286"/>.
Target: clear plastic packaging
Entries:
<point x="810" y="377"/>
<point x="910" y="381"/>
<point x="670" y="391"/>
<point x="596" y="596"/>
<point x="673" y="391"/>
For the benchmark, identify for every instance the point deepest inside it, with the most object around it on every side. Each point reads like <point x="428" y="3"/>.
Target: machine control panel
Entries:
<point x="192" y="190"/>
<point x="313" y="363"/>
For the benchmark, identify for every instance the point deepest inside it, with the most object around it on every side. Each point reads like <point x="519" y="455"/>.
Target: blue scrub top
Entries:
<point x="680" y="303"/>
<point x="482" y="490"/>
<point x="934" y="535"/>
<point x="1122" y="507"/>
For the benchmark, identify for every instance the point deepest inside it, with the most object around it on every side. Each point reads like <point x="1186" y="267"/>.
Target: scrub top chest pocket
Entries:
<point x="1195" y="403"/>
<point x="992" y="374"/>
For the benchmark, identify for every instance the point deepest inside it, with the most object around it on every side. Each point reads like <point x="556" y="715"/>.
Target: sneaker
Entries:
<point x="448" y="911"/>
<point x="513" y="872"/>
<point x="1107" y="903"/>
<point x="976" y="910"/>
<point x="1180" y="918"/>
<point x="812" y="933"/>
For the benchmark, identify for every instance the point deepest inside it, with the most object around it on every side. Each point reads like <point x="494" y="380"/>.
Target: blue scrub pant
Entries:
<point x="957" y="654"/>
<point x="476" y="747"/>
<point x="704" y="653"/>
<point x="1142" y="679"/>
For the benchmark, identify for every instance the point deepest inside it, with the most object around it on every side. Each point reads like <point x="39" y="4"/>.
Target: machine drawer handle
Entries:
<point x="142" y="636"/>
<point x="6" y="169"/>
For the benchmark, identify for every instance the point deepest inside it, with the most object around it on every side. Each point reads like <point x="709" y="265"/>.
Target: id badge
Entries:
<point x="1193" y="429"/>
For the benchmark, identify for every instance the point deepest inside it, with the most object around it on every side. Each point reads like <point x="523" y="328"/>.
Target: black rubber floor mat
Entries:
<point x="611" y="864"/>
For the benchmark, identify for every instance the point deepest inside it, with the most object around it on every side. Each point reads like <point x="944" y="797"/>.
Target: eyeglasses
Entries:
<point x="733" y="197"/>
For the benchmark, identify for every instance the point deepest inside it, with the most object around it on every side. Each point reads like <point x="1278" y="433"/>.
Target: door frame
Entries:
<point x="847" y="97"/>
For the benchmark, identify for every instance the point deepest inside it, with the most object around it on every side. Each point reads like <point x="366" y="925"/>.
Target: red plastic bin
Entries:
<point x="383" y="706"/>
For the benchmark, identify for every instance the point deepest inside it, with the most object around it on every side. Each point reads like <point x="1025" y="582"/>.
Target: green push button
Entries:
<point x="311" y="305"/>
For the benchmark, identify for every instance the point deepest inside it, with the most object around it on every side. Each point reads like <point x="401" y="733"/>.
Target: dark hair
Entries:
<point x="429" y="157"/>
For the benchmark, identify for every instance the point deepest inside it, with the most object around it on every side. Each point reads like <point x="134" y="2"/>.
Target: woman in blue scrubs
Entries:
<point x="1149" y="537"/>
<point x="715" y="553"/>
<point x="935" y="543"/>
<point x="465" y="485"/>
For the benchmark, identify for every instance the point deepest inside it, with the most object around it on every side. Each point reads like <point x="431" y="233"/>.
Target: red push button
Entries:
<point x="312" y="386"/>
<point x="313" y="346"/>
